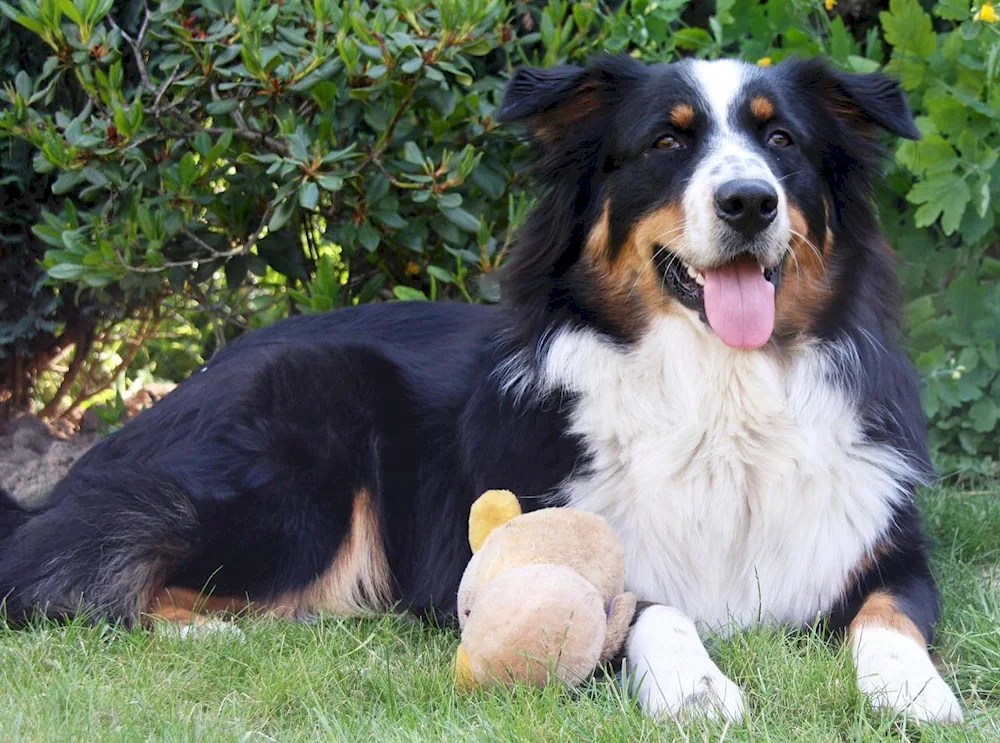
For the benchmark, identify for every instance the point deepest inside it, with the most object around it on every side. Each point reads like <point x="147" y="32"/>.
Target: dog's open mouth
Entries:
<point x="735" y="298"/>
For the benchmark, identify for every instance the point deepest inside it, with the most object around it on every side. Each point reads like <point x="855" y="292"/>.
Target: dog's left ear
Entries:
<point x="535" y="92"/>
<point x="862" y="101"/>
<point x="560" y="101"/>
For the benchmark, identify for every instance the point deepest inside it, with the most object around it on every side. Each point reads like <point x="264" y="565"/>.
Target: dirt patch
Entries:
<point x="33" y="459"/>
<point x="35" y="456"/>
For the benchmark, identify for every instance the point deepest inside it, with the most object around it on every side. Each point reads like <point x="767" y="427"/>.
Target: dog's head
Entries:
<point x="716" y="189"/>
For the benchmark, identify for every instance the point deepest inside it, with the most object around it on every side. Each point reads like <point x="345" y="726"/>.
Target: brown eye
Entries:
<point x="667" y="142"/>
<point x="779" y="138"/>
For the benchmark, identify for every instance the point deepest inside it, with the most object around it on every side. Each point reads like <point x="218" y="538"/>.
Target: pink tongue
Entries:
<point x="739" y="303"/>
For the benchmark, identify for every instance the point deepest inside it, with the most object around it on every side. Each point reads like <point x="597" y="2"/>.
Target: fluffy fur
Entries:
<point x="328" y="463"/>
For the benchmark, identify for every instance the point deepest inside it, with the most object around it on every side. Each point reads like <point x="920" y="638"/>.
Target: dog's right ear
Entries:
<point x="534" y="92"/>
<point x="560" y="100"/>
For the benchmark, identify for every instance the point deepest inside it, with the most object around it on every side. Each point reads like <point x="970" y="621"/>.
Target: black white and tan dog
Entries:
<point x="697" y="341"/>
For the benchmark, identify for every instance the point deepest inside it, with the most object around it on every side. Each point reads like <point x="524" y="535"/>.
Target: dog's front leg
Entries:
<point x="894" y="668"/>
<point x="670" y="671"/>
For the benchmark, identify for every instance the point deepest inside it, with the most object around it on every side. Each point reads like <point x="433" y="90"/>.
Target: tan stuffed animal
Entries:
<point x="542" y="596"/>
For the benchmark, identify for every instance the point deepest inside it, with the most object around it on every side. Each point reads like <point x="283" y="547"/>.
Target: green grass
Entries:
<point x="390" y="679"/>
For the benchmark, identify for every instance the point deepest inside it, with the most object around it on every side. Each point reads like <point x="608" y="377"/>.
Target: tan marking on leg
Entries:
<point x="357" y="582"/>
<point x="184" y="606"/>
<point x="879" y="610"/>
<point x="762" y="108"/>
<point x="682" y="115"/>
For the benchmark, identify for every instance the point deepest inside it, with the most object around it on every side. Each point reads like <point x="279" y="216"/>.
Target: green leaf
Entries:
<point x="862" y="64"/>
<point x="691" y="39"/>
<point x="412" y="153"/>
<point x="945" y="196"/>
<point x="909" y="28"/>
<point x="490" y="180"/>
<point x="841" y="43"/>
<point x="440" y="274"/>
<point x="990" y="268"/>
<point x="450" y="200"/>
<point x="282" y="213"/>
<point x="412" y="65"/>
<point x="547" y="29"/>
<point x="462" y="219"/>
<point x="67" y="181"/>
<point x="69" y="8"/>
<point x="919" y="311"/>
<point x="409" y="294"/>
<point x="309" y="195"/>
<point x="66" y="271"/>
<point x="389" y="218"/>
<point x="479" y="48"/>
<point x="188" y="169"/>
<point x="932" y="153"/>
<point x="952" y="10"/>
<point x="331" y="182"/>
<point x="220" y="108"/>
<point x="368" y="236"/>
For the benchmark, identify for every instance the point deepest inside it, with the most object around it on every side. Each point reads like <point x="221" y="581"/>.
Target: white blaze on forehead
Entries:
<point x="720" y="82"/>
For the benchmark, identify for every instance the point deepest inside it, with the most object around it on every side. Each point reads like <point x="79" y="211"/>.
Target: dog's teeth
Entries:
<point x="692" y="273"/>
<point x="699" y="279"/>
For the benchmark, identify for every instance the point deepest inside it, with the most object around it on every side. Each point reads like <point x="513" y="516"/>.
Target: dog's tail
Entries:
<point x="101" y="547"/>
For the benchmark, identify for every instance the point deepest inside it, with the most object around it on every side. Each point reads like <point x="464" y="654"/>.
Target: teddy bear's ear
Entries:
<point x="492" y="509"/>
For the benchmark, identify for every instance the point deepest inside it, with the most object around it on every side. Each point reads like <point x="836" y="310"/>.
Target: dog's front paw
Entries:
<point x="686" y="693"/>
<point x="895" y="673"/>
<point x="672" y="675"/>
<point x="201" y="628"/>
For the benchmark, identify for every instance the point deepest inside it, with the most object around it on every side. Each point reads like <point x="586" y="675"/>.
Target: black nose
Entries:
<point x="747" y="205"/>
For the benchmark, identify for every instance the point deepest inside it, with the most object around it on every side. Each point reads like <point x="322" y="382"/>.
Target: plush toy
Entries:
<point x="542" y="597"/>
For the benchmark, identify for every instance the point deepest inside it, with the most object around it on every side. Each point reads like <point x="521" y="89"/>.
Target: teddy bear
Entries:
<point x="542" y="597"/>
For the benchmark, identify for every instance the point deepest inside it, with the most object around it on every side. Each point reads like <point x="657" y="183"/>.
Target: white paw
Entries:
<point x="895" y="673"/>
<point x="197" y="630"/>
<point x="672" y="675"/>
<point x="690" y="692"/>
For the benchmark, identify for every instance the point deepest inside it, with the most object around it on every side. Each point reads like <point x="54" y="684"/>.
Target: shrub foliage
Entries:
<point x="191" y="169"/>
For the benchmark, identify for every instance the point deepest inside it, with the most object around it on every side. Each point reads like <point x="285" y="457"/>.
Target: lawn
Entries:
<point x="389" y="679"/>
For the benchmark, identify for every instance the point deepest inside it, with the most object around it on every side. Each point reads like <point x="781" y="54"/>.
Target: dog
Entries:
<point x="697" y="341"/>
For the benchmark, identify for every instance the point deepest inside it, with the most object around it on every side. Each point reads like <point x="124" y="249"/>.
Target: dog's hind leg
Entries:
<point x="102" y="548"/>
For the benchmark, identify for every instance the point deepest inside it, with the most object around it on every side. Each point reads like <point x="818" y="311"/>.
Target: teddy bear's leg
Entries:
<point x="670" y="671"/>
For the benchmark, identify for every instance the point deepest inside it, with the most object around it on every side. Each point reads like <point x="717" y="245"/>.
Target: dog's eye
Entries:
<point x="779" y="138"/>
<point x="667" y="142"/>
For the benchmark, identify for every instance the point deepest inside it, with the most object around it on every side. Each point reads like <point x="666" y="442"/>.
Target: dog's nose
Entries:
<point x="748" y="205"/>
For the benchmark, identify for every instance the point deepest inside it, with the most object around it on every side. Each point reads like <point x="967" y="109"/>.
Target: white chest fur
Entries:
<point x="740" y="483"/>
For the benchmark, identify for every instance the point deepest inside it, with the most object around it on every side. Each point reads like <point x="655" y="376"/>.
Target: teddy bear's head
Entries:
<point x="541" y="596"/>
<point x="502" y="538"/>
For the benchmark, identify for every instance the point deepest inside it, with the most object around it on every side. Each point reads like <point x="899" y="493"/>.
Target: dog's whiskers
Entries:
<point x="656" y="253"/>
<point x="812" y="246"/>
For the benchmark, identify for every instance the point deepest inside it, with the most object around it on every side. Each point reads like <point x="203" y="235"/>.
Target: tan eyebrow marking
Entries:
<point x="682" y="115"/>
<point x="762" y="108"/>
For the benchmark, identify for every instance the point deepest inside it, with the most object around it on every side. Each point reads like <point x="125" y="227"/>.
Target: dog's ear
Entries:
<point x="561" y="100"/>
<point x="535" y="91"/>
<point x="862" y="101"/>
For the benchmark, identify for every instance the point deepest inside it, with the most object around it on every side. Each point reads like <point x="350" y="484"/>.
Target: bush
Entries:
<point x="218" y="164"/>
